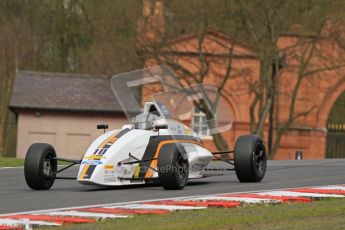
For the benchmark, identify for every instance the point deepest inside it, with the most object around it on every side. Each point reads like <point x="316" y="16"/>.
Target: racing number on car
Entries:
<point x="103" y="148"/>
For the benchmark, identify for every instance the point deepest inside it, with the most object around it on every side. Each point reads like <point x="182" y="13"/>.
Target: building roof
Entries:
<point x="63" y="92"/>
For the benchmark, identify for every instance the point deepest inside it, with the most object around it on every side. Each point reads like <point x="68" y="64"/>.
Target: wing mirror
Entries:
<point x="156" y="128"/>
<point x="103" y="126"/>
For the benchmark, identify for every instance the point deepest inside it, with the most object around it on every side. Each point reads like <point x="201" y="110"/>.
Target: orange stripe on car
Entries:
<point x="153" y="164"/>
<point x="109" y="140"/>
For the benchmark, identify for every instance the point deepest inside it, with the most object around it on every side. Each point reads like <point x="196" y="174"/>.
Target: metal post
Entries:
<point x="299" y="155"/>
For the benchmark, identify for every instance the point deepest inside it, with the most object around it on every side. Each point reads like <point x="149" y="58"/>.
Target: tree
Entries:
<point x="62" y="36"/>
<point x="12" y="32"/>
<point x="261" y="25"/>
<point x="85" y="36"/>
<point x="264" y="28"/>
<point x="194" y="64"/>
<point x="113" y="26"/>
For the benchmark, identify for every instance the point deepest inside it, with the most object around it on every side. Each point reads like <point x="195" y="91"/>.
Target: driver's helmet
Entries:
<point x="165" y="111"/>
<point x="146" y="120"/>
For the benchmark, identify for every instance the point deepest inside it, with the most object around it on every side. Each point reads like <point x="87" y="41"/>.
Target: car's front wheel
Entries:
<point x="250" y="158"/>
<point x="40" y="166"/>
<point x="173" y="167"/>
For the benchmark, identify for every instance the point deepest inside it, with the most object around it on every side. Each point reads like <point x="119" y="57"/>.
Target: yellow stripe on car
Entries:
<point x="108" y="166"/>
<point x="94" y="157"/>
<point x="136" y="171"/>
<point x="83" y="172"/>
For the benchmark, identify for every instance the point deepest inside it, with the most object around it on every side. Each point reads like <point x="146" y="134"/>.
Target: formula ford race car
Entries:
<point x="158" y="145"/>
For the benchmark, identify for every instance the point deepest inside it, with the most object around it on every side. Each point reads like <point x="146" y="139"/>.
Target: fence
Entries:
<point x="335" y="140"/>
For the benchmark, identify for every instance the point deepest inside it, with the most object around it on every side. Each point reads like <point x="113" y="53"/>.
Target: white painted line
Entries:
<point x="240" y="199"/>
<point x="17" y="167"/>
<point x="85" y="214"/>
<point x="342" y="188"/>
<point x="154" y="206"/>
<point x="298" y="194"/>
<point x="12" y="222"/>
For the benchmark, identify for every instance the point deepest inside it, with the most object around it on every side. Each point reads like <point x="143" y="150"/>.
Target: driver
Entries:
<point x="152" y="117"/>
<point x="147" y="120"/>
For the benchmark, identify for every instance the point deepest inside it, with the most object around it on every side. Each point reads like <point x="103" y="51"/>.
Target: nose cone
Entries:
<point x="98" y="151"/>
<point x="99" y="164"/>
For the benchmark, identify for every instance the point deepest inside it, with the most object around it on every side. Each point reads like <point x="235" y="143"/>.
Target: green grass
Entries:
<point x="326" y="214"/>
<point x="11" y="162"/>
<point x="15" y="162"/>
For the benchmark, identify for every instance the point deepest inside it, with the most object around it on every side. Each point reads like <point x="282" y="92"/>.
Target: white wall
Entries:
<point x="69" y="134"/>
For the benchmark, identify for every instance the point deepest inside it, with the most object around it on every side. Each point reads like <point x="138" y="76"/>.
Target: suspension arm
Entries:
<point x="222" y="152"/>
<point x="73" y="162"/>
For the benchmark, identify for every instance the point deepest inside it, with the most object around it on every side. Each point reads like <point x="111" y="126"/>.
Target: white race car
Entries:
<point x="157" y="146"/>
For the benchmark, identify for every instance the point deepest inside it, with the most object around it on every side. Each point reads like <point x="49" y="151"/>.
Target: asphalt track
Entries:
<point x="15" y="196"/>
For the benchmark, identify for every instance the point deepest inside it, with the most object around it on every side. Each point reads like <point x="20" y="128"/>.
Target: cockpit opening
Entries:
<point x="150" y="114"/>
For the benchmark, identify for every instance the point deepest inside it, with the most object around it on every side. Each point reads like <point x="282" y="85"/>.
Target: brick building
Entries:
<point x="315" y="98"/>
<point x="318" y="93"/>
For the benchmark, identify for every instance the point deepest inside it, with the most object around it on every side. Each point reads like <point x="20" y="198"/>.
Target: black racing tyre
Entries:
<point x="173" y="167"/>
<point x="40" y="166"/>
<point x="250" y="158"/>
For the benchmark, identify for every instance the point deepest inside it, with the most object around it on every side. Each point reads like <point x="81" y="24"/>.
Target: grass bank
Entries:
<point x="11" y="162"/>
<point x="326" y="214"/>
<point x="14" y="162"/>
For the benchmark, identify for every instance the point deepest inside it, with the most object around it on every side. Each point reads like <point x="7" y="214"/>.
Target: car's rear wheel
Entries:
<point x="250" y="158"/>
<point x="173" y="167"/>
<point x="40" y="166"/>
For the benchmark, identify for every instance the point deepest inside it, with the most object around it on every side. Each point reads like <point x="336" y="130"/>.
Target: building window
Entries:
<point x="199" y="124"/>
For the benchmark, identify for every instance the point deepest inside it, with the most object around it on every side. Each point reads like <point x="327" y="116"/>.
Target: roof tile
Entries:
<point x="59" y="91"/>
